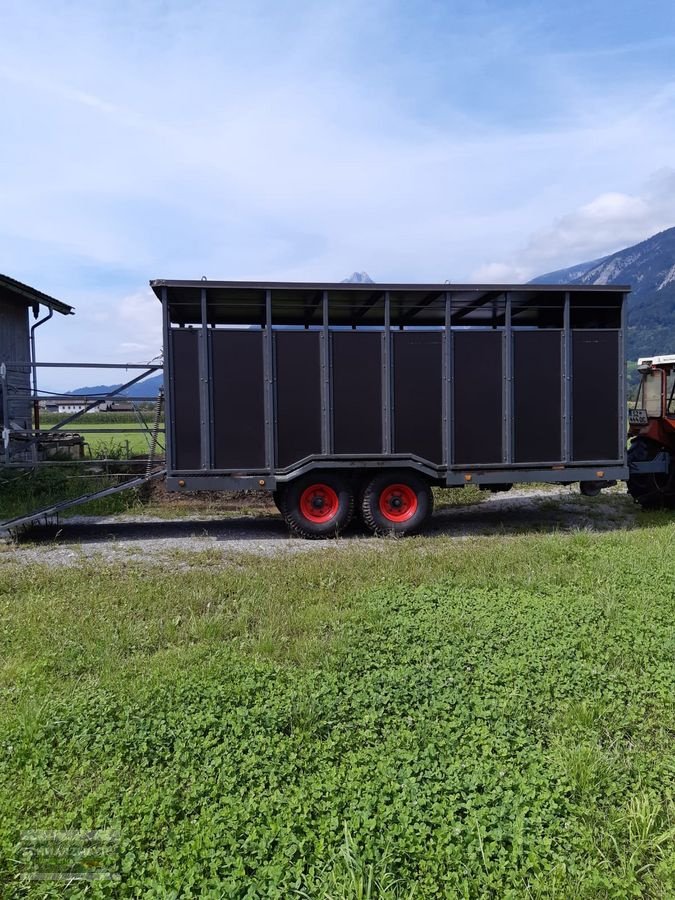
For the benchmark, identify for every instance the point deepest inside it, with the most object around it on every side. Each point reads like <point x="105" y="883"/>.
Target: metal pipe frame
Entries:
<point x="90" y="406"/>
<point x="69" y="398"/>
<point x="87" y="461"/>
<point x="83" y="365"/>
<point x="35" y="435"/>
<point x="54" y="509"/>
<point x="110" y="430"/>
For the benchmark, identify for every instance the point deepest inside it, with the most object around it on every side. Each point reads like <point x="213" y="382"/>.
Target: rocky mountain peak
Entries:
<point x="649" y="269"/>
<point x="358" y="278"/>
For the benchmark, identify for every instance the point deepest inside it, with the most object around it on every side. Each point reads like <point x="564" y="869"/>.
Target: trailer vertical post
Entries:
<point x="204" y="386"/>
<point x="386" y="378"/>
<point x="507" y="384"/>
<point x="326" y="411"/>
<point x="268" y="375"/>
<point x="168" y="377"/>
<point x="447" y="384"/>
<point x="623" y="425"/>
<point x="567" y="383"/>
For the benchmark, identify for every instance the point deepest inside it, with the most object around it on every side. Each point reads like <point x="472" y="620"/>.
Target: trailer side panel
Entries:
<point x="537" y="363"/>
<point x="357" y="391"/>
<point x="478" y="400"/>
<point x="238" y="399"/>
<point x="595" y="410"/>
<point x="418" y="394"/>
<point x="184" y="357"/>
<point x="298" y="401"/>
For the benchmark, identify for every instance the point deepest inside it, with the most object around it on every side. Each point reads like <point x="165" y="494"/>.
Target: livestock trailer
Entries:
<point x="344" y="397"/>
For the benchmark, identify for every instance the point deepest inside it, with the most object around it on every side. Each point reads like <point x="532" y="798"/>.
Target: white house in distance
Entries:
<point x="76" y="406"/>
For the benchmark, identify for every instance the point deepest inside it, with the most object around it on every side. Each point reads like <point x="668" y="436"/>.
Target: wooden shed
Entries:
<point x="18" y="302"/>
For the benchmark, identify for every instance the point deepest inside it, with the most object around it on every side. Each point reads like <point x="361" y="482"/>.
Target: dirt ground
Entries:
<point x="213" y="533"/>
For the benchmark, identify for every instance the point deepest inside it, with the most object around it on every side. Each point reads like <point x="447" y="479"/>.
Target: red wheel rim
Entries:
<point x="319" y="503"/>
<point x="398" y="502"/>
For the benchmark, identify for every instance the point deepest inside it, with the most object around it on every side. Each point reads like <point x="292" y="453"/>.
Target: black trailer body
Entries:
<point x="481" y="384"/>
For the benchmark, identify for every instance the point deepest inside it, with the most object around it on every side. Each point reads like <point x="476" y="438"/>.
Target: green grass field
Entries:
<point x="124" y="435"/>
<point x="426" y="718"/>
<point x="23" y="491"/>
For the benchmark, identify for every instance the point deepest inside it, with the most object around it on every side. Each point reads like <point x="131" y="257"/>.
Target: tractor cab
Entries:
<point x="651" y="427"/>
<point x="653" y="413"/>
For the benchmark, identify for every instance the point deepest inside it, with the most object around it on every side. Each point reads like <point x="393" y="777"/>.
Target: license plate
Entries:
<point x="637" y="416"/>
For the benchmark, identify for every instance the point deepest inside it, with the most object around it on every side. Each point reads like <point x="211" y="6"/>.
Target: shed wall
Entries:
<point x="15" y="347"/>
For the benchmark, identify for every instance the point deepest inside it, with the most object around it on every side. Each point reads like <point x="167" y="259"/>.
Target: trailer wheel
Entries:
<point x="317" y="506"/>
<point x="396" y="503"/>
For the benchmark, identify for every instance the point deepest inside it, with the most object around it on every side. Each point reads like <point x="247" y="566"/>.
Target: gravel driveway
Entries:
<point x="144" y="539"/>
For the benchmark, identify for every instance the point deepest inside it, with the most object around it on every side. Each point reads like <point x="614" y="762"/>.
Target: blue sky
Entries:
<point x="303" y="140"/>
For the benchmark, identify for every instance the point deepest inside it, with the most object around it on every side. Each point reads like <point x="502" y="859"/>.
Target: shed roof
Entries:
<point x="15" y="290"/>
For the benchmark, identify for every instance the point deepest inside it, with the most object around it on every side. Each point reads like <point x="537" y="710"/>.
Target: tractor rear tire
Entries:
<point x="651" y="490"/>
<point x="396" y="503"/>
<point x="319" y="505"/>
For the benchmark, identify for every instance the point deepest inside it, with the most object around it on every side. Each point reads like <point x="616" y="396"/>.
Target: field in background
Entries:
<point x="426" y="718"/>
<point x="124" y="438"/>
<point x="120" y="433"/>
<point x="48" y="419"/>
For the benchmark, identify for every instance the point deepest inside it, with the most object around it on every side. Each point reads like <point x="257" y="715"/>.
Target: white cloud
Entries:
<point x="500" y="273"/>
<point x="140" y="322"/>
<point x="303" y="141"/>
<point x="609" y="222"/>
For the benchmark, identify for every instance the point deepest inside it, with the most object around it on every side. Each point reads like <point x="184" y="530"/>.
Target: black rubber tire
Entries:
<point x="651" y="491"/>
<point x="289" y="505"/>
<point x="590" y="488"/>
<point x="359" y="490"/>
<point x="373" y="516"/>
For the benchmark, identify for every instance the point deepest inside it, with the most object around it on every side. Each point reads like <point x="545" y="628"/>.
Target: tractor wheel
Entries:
<point x="320" y="505"/>
<point x="651" y="490"/>
<point x="396" y="503"/>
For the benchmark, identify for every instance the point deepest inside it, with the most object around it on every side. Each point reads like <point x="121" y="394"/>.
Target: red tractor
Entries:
<point x="651" y="454"/>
